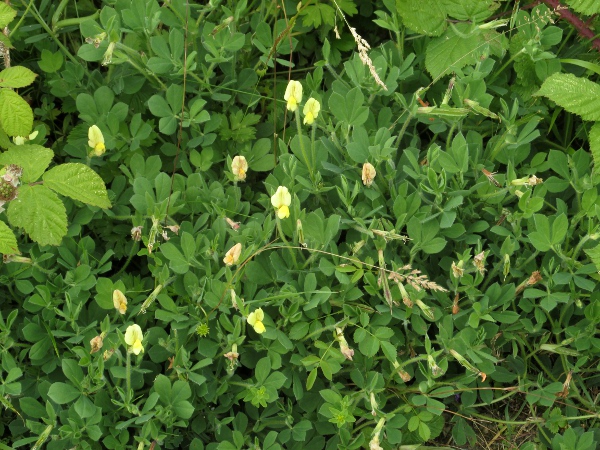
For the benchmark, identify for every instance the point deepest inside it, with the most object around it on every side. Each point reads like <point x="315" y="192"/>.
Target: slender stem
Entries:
<point x="128" y="378"/>
<point x="285" y="241"/>
<point x="300" y="138"/>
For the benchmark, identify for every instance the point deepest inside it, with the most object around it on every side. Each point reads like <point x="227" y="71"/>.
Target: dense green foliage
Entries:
<point x="268" y="224"/>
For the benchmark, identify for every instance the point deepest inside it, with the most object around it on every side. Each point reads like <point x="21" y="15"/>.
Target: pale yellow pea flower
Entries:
<point x="255" y="319"/>
<point x="368" y="174"/>
<point x="311" y="110"/>
<point x="20" y="140"/>
<point x="96" y="140"/>
<point x="120" y="301"/>
<point x="233" y="255"/>
<point x="293" y="95"/>
<point x="282" y="200"/>
<point x="239" y="167"/>
<point x="133" y="338"/>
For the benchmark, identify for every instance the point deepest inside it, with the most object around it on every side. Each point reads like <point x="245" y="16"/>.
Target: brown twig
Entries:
<point x="573" y="19"/>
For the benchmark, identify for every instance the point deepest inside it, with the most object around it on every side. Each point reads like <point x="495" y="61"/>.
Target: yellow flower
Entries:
<point x="256" y="320"/>
<point x="293" y="95"/>
<point x="239" y="167"/>
<point x="120" y="301"/>
<point x="96" y="140"/>
<point x="282" y="200"/>
<point x="368" y="174"/>
<point x="20" y="140"/>
<point x="133" y="338"/>
<point x="311" y="111"/>
<point x="233" y="255"/>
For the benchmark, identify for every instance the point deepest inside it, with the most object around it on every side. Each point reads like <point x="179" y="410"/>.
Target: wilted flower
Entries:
<point x="133" y="338"/>
<point x="533" y="180"/>
<point x="120" y="301"/>
<point x="311" y="111"/>
<point x="374" y="443"/>
<point x="374" y="404"/>
<point x="233" y="355"/>
<point x="233" y="255"/>
<point x="293" y="95"/>
<point x="479" y="262"/>
<point x="239" y="167"/>
<point x="457" y="269"/>
<point x="282" y="200"/>
<point x="255" y="319"/>
<point x="97" y="343"/>
<point x="344" y="348"/>
<point x="96" y="140"/>
<point x="136" y="233"/>
<point x="173" y="228"/>
<point x="20" y="140"/>
<point x="234" y="225"/>
<point x="368" y="174"/>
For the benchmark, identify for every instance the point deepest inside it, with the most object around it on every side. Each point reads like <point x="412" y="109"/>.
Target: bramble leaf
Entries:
<point x="16" y="116"/>
<point x="34" y="159"/>
<point x="576" y="95"/>
<point x="79" y="182"/>
<point x="16" y="77"/>
<point x="8" y="241"/>
<point x="40" y="213"/>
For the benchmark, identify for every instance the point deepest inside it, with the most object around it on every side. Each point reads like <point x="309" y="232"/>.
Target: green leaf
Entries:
<point x="40" y="213"/>
<point x="34" y="159"/>
<point x="453" y="51"/>
<point x="425" y="16"/>
<point x="541" y="238"/>
<point x="587" y="7"/>
<point x="350" y="108"/>
<point x="16" y="77"/>
<point x="51" y="62"/>
<point x="8" y="241"/>
<point x="63" y="393"/>
<point x="594" y="140"/>
<point x="576" y="95"/>
<point x="79" y="182"/>
<point x="7" y="14"/>
<point x="594" y="254"/>
<point x="16" y="116"/>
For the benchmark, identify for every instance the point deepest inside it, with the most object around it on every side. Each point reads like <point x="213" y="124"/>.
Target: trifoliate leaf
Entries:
<point x="40" y="213"/>
<point x="576" y="95"/>
<point x="34" y="159"/>
<point x="16" y="116"/>
<point x="16" y="77"/>
<point x="79" y="182"/>
<point x="8" y="241"/>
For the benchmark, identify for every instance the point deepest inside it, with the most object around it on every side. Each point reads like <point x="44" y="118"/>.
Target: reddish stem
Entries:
<point x="573" y="19"/>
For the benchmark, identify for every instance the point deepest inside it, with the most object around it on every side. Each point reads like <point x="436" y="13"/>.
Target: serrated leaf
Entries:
<point x="594" y="254"/>
<point x="425" y="16"/>
<point x="16" y="77"/>
<point x="8" y="241"/>
<point x="34" y="159"/>
<point x="576" y="95"/>
<point x="595" y="145"/>
<point x="587" y="7"/>
<point x="7" y="14"/>
<point x="16" y="116"/>
<point x="40" y="213"/>
<point x="79" y="182"/>
<point x="451" y="51"/>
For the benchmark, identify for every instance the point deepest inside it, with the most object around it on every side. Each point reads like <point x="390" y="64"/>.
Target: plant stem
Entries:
<point x="128" y="378"/>
<point x="285" y="241"/>
<point x="302" y="148"/>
